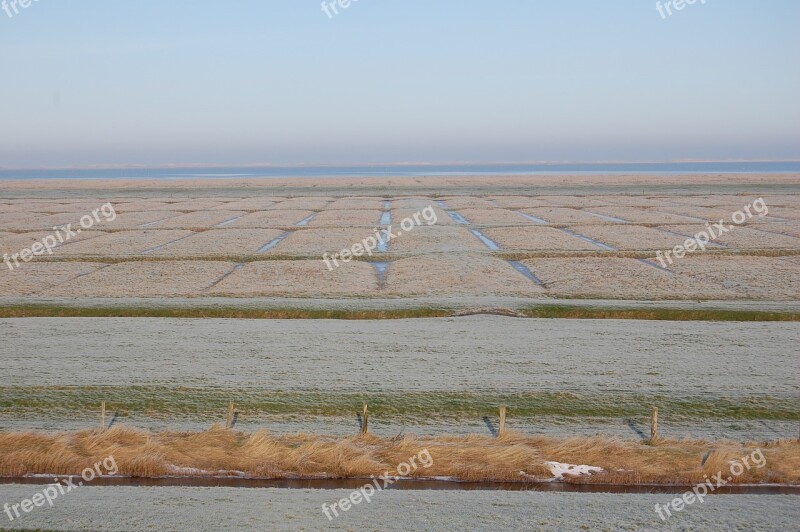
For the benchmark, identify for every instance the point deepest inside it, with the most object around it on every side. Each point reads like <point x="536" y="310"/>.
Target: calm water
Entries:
<point x="402" y="170"/>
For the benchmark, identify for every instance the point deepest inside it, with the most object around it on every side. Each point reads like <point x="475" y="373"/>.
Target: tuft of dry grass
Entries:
<point x="512" y="457"/>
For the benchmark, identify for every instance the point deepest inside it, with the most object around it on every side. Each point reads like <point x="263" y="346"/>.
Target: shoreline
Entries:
<point x="416" y="484"/>
<point x="451" y="183"/>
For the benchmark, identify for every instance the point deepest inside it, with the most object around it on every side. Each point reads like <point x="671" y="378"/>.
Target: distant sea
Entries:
<point x="406" y="170"/>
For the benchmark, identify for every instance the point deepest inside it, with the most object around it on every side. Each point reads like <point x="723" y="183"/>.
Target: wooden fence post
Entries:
<point x="654" y="425"/>
<point x="502" y="429"/>
<point x="103" y="416"/>
<point x="229" y="423"/>
<point x="364" y="419"/>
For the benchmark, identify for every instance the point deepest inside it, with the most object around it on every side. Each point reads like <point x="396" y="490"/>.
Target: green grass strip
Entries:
<point x="552" y="311"/>
<point x="164" y="402"/>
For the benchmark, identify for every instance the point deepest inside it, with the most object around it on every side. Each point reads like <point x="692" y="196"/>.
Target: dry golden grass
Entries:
<point x="179" y="230"/>
<point x="145" y="279"/>
<point x="472" y="458"/>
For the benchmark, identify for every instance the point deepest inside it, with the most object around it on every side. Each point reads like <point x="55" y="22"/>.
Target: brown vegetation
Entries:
<point x="512" y="457"/>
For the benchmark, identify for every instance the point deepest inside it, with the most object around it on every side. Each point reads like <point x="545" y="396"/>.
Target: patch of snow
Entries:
<point x="559" y="470"/>
<point x="186" y="470"/>
<point x="70" y="477"/>
<point x="192" y="471"/>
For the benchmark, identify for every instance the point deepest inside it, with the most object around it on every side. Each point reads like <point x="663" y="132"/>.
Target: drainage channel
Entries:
<point x="386" y="221"/>
<point x="606" y="217"/>
<point x="769" y="232"/>
<point x="539" y="221"/>
<point x="610" y="248"/>
<point x="488" y="242"/>
<point x="305" y="220"/>
<point x="162" y="246"/>
<point x="657" y="266"/>
<point x="151" y="224"/>
<point x="380" y="270"/>
<point x="228" y="222"/>
<point x="589" y="240"/>
<point x="521" y="268"/>
<point x="781" y="219"/>
<point x="696" y="219"/>
<point x="68" y="242"/>
<point x="234" y="270"/>
<point x="272" y="243"/>
<point x="709" y="244"/>
<point x="454" y="215"/>
<point x="457" y="218"/>
<point x="38" y="292"/>
<point x="383" y="243"/>
<point x="494" y="246"/>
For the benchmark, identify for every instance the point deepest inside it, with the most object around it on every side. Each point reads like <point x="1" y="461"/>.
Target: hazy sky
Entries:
<point x="277" y="81"/>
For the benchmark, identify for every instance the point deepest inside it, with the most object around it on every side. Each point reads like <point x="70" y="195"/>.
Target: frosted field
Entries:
<point x="168" y="509"/>
<point x="425" y="376"/>
<point x="579" y="246"/>
<point x="510" y="243"/>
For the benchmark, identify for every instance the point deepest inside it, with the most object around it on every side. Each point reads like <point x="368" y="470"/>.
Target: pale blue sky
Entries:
<point x="276" y="81"/>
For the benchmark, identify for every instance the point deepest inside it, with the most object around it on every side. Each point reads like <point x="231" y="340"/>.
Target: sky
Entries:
<point x="238" y="82"/>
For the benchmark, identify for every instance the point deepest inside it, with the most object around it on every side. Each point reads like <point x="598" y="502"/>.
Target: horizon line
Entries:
<point x="134" y="166"/>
